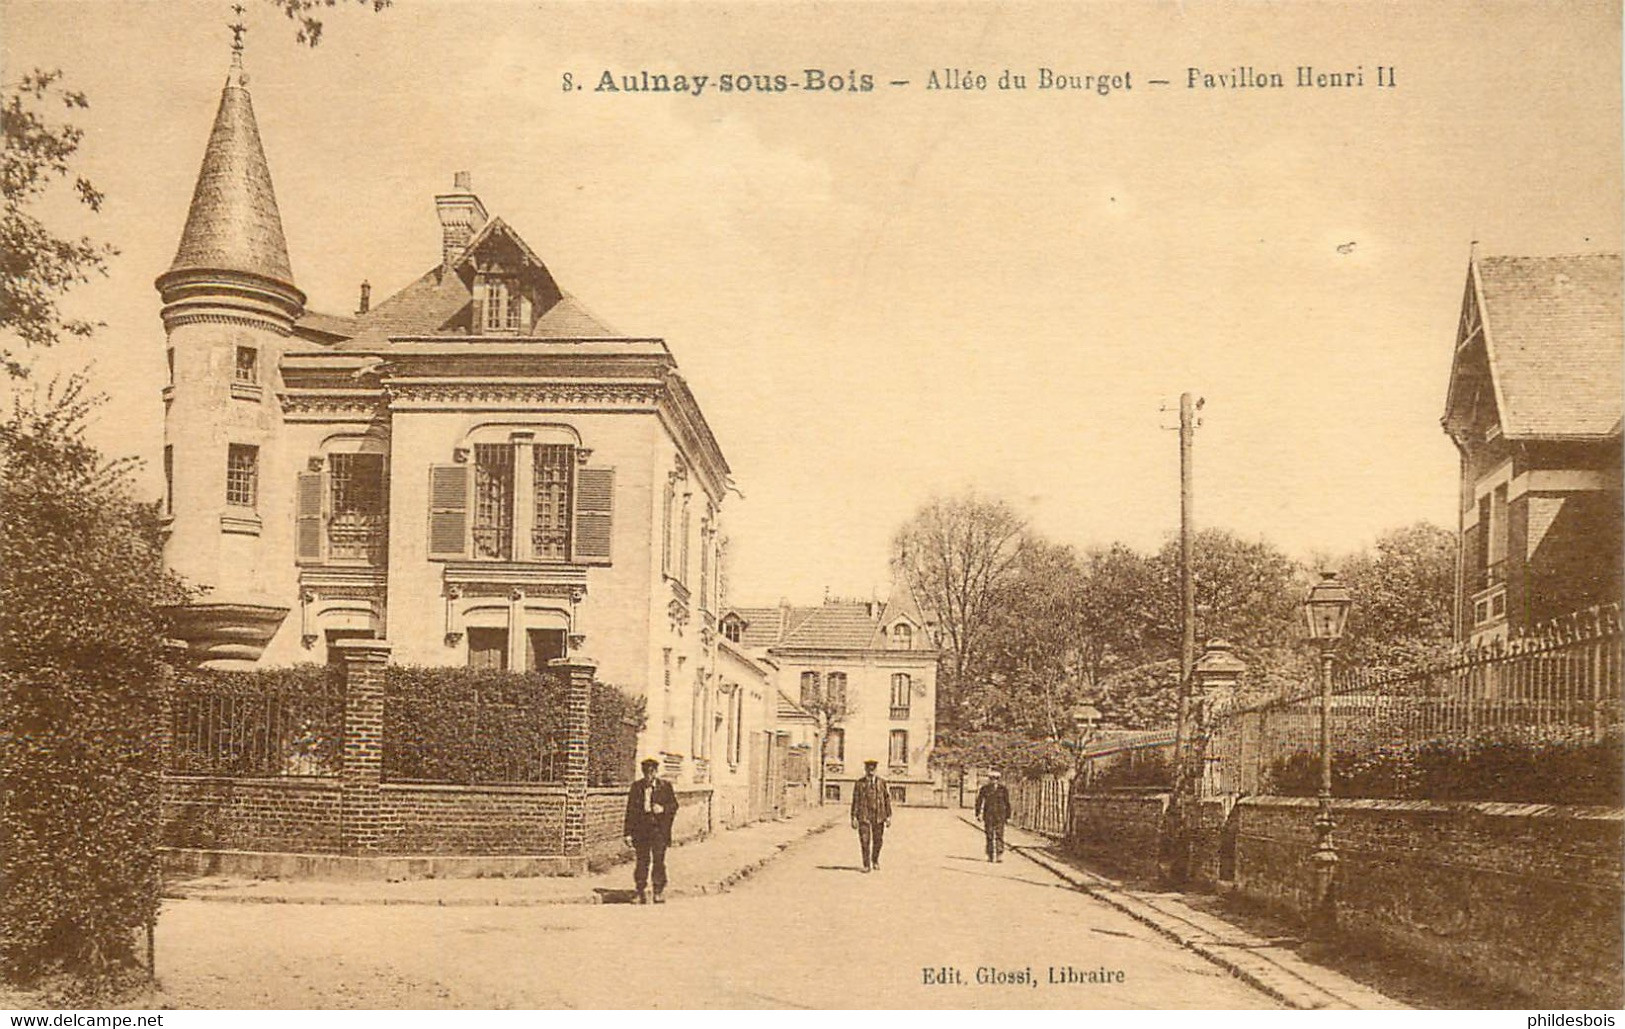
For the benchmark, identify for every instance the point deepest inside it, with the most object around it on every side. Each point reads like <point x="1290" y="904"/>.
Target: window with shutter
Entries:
<point x="449" y="489"/>
<point x="308" y="525"/>
<point x="595" y="502"/>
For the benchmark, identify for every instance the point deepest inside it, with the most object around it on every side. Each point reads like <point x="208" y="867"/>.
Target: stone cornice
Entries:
<point x="470" y="393"/>
<point x="329" y="405"/>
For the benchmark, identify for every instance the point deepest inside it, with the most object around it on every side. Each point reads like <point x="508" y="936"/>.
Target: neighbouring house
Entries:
<point x="1534" y="407"/>
<point x="473" y="468"/>
<point x="864" y="675"/>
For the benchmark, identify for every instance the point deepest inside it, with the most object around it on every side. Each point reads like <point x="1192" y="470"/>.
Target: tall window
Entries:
<point x="736" y="725"/>
<point x="733" y="629"/>
<point x="901" y="685"/>
<point x="169" y="358"/>
<point x="493" y="500"/>
<point x="835" y="749"/>
<point x="169" y="479"/>
<point x="902" y="637"/>
<point x="836" y="686"/>
<point x="897" y="756"/>
<point x="487" y="648"/>
<point x="242" y="475"/>
<point x="682" y="568"/>
<point x="356" y="496"/>
<point x="809" y="688"/>
<point x="705" y="564"/>
<point x="248" y="365"/>
<point x="554" y="465"/>
<point x="501" y="306"/>
<point x="667" y="551"/>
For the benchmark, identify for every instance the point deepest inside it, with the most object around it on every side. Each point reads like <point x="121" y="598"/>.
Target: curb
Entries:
<point x="1276" y="979"/>
<point x="592" y="897"/>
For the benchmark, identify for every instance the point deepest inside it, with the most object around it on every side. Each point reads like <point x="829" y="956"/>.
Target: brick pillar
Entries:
<point x="361" y="765"/>
<point x="577" y="723"/>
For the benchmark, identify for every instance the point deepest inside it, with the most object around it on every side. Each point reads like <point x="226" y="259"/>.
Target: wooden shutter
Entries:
<point x="449" y="494"/>
<point x="595" y="502"/>
<point x="309" y="539"/>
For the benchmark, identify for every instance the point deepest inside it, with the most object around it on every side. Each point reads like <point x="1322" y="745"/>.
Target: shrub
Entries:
<point x="1523" y="764"/>
<point x="1149" y="767"/>
<point x="81" y="593"/>
<point x="474" y="725"/>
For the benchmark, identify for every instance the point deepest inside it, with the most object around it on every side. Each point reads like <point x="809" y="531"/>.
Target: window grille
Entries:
<point x="554" y="465"/>
<point x="356" y="525"/>
<point x="493" y="498"/>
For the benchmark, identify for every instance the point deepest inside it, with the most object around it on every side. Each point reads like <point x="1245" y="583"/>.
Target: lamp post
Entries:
<point x="1325" y="611"/>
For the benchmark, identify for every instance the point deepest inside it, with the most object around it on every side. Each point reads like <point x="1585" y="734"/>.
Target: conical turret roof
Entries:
<point x="234" y="224"/>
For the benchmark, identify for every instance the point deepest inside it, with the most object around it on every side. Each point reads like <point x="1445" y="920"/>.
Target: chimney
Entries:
<point x="461" y="216"/>
<point x="366" y="298"/>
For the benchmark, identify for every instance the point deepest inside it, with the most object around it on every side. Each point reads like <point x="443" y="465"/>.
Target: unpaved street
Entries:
<point x="811" y="930"/>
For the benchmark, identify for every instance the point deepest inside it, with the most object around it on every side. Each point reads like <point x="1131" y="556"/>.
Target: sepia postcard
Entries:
<point x="854" y="505"/>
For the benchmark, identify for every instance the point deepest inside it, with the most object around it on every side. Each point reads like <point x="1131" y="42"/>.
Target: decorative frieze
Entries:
<point x="405" y="394"/>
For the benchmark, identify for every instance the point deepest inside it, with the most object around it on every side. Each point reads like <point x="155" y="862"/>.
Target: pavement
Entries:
<point x="1267" y="963"/>
<point x="712" y="864"/>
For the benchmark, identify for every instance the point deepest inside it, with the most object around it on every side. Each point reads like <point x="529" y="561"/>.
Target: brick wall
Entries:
<point x="250" y="814"/>
<point x="606" y="817"/>
<point x="1520" y="895"/>
<point x="428" y="819"/>
<point x="1121" y="830"/>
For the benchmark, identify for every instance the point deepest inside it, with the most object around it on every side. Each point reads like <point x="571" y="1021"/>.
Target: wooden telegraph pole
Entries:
<point x="1187" y="636"/>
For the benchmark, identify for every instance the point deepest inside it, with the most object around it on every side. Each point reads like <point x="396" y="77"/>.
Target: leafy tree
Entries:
<point x="1404" y="594"/>
<point x="957" y="556"/>
<point x="829" y="708"/>
<point x="36" y="265"/>
<point x="305" y="14"/>
<point x="81" y="594"/>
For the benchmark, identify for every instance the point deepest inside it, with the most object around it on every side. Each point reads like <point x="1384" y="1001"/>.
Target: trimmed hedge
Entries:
<point x="1521" y="764"/>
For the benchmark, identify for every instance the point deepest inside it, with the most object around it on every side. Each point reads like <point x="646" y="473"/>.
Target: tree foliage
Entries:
<point x="1404" y="597"/>
<point x="956" y="556"/>
<point x="81" y="596"/>
<point x="36" y="265"/>
<point x="306" y="14"/>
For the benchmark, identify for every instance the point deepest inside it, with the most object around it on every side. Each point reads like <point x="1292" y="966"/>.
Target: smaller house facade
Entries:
<point x="864" y="672"/>
<point x="1534" y="407"/>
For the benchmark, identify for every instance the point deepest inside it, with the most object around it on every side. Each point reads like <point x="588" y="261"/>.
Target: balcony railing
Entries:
<point x="899" y="714"/>
<point x="355" y="536"/>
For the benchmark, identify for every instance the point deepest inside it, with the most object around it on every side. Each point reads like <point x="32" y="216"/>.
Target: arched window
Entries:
<point x="902" y="636"/>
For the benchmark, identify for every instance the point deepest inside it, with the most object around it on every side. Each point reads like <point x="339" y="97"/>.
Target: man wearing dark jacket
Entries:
<point x="993" y="810"/>
<point x="651" y="805"/>
<point x="871" y="813"/>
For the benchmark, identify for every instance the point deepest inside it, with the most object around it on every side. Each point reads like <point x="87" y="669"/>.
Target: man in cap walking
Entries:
<point x="993" y="810"/>
<point x="871" y="813"/>
<point x="651" y="805"/>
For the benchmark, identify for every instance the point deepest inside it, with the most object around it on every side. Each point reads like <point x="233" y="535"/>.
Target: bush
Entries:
<point x="1149" y="767"/>
<point x="81" y="594"/>
<point x="1009" y="752"/>
<point x="475" y="725"/>
<point x="1519" y="764"/>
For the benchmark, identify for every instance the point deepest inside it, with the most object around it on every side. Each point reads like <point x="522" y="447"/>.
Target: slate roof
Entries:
<point x="1555" y="337"/>
<point x="233" y="223"/>
<point x="833" y="625"/>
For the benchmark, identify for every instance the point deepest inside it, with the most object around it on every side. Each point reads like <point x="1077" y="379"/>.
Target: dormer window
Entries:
<point x="502" y="307"/>
<point x="902" y="637"/>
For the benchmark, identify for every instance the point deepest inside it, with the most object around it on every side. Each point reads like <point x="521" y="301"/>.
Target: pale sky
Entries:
<point x="880" y="296"/>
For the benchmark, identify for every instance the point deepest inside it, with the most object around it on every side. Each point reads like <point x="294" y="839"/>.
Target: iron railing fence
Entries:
<point x="242" y="726"/>
<point x="1556" y="688"/>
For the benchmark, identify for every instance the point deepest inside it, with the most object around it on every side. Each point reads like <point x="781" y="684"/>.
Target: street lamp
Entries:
<point x="1325" y="612"/>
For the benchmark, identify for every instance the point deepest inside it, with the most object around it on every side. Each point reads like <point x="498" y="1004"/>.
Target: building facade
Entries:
<point x="865" y="673"/>
<point x="1534" y="407"/>
<point x="474" y="468"/>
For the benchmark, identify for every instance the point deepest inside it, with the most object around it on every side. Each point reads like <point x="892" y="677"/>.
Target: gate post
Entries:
<point x="577" y="733"/>
<point x="361" y="761"/>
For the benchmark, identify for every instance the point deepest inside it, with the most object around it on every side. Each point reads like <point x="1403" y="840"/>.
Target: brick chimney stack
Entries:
<point x="366" y="298"/>
<point x="461" y="216"/>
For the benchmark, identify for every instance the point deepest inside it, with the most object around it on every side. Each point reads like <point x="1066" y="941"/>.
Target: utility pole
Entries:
<point x="1187" y="634"/>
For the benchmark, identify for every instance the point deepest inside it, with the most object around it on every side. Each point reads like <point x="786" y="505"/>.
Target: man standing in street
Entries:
<point x="993" y="810"/>
<point x="651" y="805"/>
<point x="871" y="813"/>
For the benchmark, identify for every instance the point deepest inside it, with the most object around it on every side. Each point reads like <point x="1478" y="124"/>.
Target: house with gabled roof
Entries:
<point x="1534" y="408"/>
<point x="865" y="673"/>
<point x="474" y="468"/>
